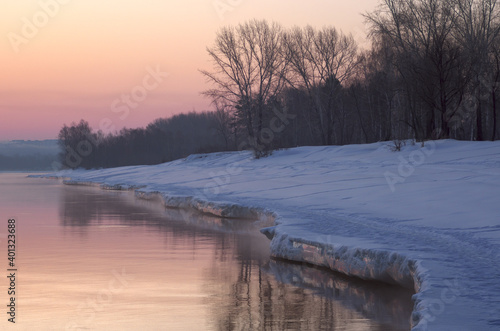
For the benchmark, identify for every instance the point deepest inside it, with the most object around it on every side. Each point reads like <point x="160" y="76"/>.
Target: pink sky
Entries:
<point x="82" y="57"/>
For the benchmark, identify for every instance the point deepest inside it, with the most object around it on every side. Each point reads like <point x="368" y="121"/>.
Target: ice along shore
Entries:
<point x="427" y="218"/>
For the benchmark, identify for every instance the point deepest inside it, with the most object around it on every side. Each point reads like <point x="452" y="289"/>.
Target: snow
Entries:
<point x="427" y="218"/>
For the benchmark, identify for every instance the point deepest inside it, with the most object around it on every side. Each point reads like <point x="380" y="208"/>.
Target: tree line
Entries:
<point x="163" y="140"/>
<point x="432" y="72"/>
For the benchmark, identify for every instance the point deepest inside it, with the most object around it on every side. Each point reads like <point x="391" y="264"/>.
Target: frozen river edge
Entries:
<point x="354" y="262"/>
<point x="366" y="264"/>
<point x="389" y="237"/>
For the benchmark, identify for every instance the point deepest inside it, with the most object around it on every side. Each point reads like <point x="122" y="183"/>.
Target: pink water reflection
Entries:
<point x="95" y="260"/>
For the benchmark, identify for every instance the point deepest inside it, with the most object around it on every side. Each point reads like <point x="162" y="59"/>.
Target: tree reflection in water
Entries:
<point x="242" y="288"/>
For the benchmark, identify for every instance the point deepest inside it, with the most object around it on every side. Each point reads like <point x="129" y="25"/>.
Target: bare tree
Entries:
<point x="224" y="122"/>
<point x="321" y="61"/>
<point x="429" y="59"/>
<point x="495" y="85"/>
<point x="249" y="68"/>
<point x="478" y="28"/>
<point x="377" y="96"/>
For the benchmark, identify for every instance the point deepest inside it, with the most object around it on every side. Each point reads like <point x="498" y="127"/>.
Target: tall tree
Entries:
<point x="477" y="29"/>
<point x="320" y="62"/>
<point x="429" y="59"/>
<point x="249" y="68"/>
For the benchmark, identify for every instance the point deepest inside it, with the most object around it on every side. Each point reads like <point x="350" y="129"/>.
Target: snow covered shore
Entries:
<point x="426" y="217"/>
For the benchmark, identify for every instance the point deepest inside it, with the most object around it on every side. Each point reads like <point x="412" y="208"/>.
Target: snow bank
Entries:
<point x="426" y="218"/>
<point x="368" y="264"/>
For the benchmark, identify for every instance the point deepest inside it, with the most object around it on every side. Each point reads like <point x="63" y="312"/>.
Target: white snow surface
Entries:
<point x="425" y="217"/>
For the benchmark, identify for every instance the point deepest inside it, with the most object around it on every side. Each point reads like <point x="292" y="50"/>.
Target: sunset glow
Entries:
<point x="62" y="61"/>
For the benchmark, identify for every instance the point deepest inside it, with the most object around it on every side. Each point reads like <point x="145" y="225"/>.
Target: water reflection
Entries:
<point x="239" y="288"/>
<point x="85" y="206"/>
<point x="385" y="304"/>
<point x="283" y="296"/>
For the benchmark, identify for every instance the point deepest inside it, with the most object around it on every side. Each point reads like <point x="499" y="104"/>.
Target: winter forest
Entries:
<point x="432" y="71"/>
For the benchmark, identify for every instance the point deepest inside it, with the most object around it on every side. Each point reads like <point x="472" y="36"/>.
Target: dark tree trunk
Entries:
<point x="479" y="123"/>
<point x="494" y="101"/>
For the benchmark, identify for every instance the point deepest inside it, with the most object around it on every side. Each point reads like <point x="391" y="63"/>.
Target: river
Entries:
<point x="89" y="259"/>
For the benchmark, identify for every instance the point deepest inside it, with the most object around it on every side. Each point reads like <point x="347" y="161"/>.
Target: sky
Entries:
<point x="125" y="63"/>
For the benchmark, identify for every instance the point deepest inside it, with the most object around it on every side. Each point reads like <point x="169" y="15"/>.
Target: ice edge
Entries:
<point x="367" y="264"/>
<point x="363" y="263"/>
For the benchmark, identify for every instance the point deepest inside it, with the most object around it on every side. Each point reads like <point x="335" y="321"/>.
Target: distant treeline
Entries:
<point x="161" y="141"/>
<point x="433" y="72"/>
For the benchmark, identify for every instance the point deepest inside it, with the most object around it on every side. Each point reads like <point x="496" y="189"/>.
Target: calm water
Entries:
<point x="99" y="260"/>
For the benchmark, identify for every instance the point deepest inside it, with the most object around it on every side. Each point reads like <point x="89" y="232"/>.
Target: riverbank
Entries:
<point x="425" y="217"/>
